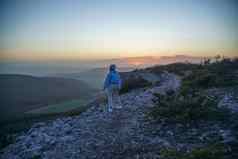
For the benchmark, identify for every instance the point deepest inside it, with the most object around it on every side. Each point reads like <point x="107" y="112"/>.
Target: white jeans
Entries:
<point x="113" y="97"/>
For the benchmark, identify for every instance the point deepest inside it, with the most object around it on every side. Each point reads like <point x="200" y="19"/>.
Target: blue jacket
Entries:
<point x="112" y="77"/>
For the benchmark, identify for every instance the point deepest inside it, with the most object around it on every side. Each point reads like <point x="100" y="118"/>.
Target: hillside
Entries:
<point x="21" y="93"/>
<point x="91" y="127"/>
<point x="169" y="116"/>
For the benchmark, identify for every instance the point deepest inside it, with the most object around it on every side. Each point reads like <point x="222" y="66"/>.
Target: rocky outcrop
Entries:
<point x="228" y="97"/>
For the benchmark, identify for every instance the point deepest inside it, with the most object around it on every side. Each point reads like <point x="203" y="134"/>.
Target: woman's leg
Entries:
<point x="109" y="99"/>
<point x="117" y="98"/>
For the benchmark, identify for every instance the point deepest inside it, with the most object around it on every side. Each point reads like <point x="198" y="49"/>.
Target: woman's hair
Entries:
<point x="112" y="67"/>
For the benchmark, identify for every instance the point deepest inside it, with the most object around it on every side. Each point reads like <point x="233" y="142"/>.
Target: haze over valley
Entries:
<point x="28" y="86"/>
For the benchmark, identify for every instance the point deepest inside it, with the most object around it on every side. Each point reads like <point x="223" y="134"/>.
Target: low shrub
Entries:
<point x="185" y="109"/>
<point x="215" y="151"/>
<point x="134" y="83"/>
<point x="218" y="74"/>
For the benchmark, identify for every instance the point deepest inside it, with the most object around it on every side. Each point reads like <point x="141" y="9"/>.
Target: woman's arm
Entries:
<point x="106" y="82"/>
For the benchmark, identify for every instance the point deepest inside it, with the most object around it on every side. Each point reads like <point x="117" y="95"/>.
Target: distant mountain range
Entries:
<point x="163" y="60"/>
<point x="146" y="61"/>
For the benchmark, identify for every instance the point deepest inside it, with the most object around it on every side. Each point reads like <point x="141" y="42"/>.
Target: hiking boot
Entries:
<point x="109" y="110"/>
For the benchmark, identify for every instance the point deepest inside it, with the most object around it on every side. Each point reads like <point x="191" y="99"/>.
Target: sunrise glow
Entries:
<point x="60" y="29"/>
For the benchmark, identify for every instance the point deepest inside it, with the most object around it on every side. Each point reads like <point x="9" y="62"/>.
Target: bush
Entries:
<point x="185" y="109"/>
<point x="215" y="151"/>
<point x="218" y="74"/>
<point x="134" y="83"/>
<point x="221" y="73"/>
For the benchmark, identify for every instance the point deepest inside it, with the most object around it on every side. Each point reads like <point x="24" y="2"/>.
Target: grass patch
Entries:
<point x="59" y="108"/>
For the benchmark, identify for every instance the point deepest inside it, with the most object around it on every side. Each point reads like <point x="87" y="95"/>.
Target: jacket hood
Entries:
<point x="112" y="68"/>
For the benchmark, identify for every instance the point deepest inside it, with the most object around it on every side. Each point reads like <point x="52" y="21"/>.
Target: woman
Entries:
<point x="112" y="85"/>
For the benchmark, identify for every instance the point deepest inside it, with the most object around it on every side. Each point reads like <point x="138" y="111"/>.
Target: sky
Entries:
<point x="101" y="29"/>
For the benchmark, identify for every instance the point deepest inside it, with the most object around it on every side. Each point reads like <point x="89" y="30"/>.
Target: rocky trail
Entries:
<point x="96" y="133"/>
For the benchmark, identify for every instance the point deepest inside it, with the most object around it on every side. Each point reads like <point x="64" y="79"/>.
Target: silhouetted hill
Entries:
<point x="20" y="93"/>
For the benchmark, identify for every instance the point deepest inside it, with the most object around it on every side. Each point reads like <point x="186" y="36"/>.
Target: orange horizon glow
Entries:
<point x="133" y="58"/>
